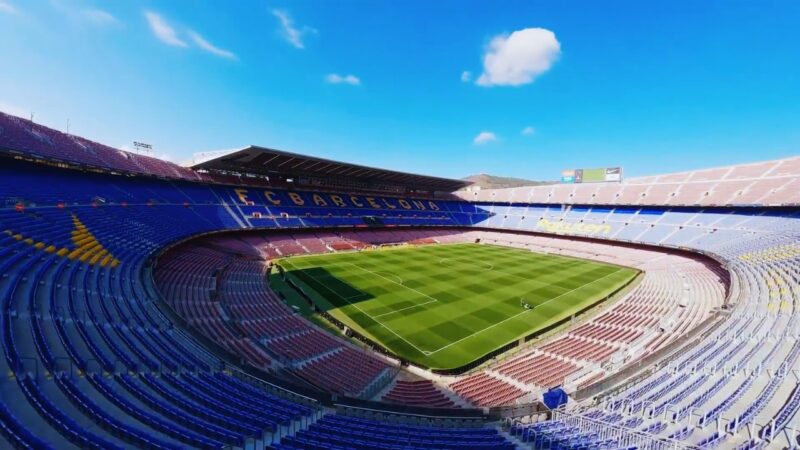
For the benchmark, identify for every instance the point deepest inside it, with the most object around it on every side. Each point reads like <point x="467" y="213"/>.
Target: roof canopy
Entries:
<point x="269" y="162"/>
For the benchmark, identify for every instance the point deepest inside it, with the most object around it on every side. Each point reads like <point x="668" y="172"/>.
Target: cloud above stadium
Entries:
<point x="335" y="78"/>
<point x="484" y="137"/>
<point x="162" y="30"/>
<point x="289" y="30"/>
<point x="528" y="131"/>
<point x="98" y="17"/>
<point x="8" y="8"/>
<point x="167" y="34"/>
<point x="518" y="58"/>
<point x="203" y="44"/>
<point x="466" y="76"/>
<point x="92" y="16"/>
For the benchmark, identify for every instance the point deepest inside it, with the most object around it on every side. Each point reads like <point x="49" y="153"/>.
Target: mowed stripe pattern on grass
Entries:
<point x="445" y="306"/>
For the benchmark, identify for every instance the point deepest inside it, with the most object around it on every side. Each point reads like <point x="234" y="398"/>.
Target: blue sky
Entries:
<point x="650" y="86"/>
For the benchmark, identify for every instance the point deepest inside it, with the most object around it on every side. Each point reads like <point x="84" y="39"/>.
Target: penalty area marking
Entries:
<point x="407" y="307"/>
<point x="424" y="352"/>
<point x="378" y="274"/>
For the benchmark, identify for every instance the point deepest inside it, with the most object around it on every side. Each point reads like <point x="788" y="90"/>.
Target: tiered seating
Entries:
<point x="634" y="320"/>
<point x="540" y="369"/>
<point x="311" y="243"/>
<point x="336" y="242"/>
<point x="608" y="334"/>
<point x="25" y="136"/>
<point x="484" y="389"/>
<point x="339" y="433"/>
<point x="104" y="326"/>
<point x="302" y="346"/>
<point x="764" y="183"/>
<point x="579" y="349"/>
<point x="251" y="321"/>
<point x="95" y="360"/>
<point x="345" y="371"/>
<point x="287" y="246"/>
<point x="418" y="393"/>
<point x="755" y="336"/>
<point x="187" y="280"/>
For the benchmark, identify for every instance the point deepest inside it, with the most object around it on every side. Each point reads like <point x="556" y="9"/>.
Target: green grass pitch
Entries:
<point x="444" y="306"/>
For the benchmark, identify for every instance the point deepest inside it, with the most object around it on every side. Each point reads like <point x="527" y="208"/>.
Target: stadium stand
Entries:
<point x="771" y="183"/>
<point x="249" y="312"/>
<point x="106" y="346"/>
<point x="418" y="393"/>
<point x="93" y="359"/>
<point x="35" y="140"/>
<point x="335" y="432"/>
<point x="747" y="359"/>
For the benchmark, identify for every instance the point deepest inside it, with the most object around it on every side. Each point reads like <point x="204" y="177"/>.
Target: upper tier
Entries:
<point x="32" y="139"/>
<point x="255" y="166"/>
<point x="769" y="183"/>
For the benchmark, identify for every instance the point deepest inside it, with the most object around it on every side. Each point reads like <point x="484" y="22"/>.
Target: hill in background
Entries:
<point x="485" y="181"/>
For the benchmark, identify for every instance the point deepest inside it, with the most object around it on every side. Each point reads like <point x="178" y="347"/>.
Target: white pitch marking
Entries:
<point x="518" y="277"/>
<point x="424" y="352"/>
<point x="368" y="315"/>
<point x="481" y="331"/>
<point x="565" y="293"/>
<point x="392" y="281"/>
<point x="407" y="307"/>
<point x="523" y="312"/>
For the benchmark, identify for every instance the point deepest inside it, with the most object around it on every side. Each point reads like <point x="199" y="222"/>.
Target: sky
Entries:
<point x="447" y="88"/>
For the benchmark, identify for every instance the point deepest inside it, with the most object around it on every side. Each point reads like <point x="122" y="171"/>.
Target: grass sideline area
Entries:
<point x="445" y="306"/>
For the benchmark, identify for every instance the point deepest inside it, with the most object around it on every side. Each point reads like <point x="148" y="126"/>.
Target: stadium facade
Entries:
<point x="136" y="312"/>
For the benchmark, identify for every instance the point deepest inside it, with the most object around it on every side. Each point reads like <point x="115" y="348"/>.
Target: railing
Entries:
<point x="644" y="366"/>
<point x="640" y="369"/>
<point x="625" y="437"/>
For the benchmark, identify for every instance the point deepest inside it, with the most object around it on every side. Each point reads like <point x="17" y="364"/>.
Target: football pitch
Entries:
<point x="444" y="306"/>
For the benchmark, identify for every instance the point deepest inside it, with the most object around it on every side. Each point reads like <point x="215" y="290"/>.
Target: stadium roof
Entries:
<point x="266" y="161"/>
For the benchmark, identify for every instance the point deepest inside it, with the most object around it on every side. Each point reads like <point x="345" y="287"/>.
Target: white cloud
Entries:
<point x="466" y="76"/>
<point x="169" y="35"/>
<point x="93" y="16"/>
<point x="8" y="8"/>
<point x="528" y="131"/>
<point x="335" y="78"/>
<point x="518" y="58"/>
<point x="209" y="47"/>
<point x="290" y="32"/>
<point x="98" y="17"/>
<point x="162" y="30"/>
<point x="484" y="137"/>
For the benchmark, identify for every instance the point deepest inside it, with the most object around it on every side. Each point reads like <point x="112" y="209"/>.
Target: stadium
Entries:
<point x="374" y="225"/>
<point x="264" y="299"/>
